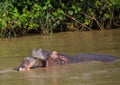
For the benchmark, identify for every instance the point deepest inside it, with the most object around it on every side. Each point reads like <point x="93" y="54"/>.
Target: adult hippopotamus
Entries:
<point x="51" y="58"/>
<point x="26" y="64"/>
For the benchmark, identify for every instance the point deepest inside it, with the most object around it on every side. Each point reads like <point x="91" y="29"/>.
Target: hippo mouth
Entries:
<point x="26" y="64"/>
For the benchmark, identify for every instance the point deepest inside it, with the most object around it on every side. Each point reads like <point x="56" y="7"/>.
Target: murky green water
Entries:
<point x="12" y="51"/>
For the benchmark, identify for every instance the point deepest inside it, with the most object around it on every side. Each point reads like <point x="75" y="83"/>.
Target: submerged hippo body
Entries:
<point x="45" y="57"/>
<point x="93" y="57"/>
<point x="26" y="64"/>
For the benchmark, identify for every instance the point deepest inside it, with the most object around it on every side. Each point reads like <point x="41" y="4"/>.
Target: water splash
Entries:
<point x="5" y="71"/>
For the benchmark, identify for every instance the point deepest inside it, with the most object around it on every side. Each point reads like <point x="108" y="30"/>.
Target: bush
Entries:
<point x="20" y="17"/>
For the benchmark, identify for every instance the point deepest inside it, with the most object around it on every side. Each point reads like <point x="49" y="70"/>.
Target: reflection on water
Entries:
<point x="88" y="73"/>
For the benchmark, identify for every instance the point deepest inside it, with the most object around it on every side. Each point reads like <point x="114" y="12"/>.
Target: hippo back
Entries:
<point x="95" y="57"/>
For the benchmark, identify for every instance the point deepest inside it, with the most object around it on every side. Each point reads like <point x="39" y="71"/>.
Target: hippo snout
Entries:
<point x="26" y="64"/>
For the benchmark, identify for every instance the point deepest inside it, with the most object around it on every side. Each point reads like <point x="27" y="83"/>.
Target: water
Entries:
<point x="12" y="51"/>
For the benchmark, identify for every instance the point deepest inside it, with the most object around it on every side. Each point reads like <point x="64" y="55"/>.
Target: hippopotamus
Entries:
<point x="26" y="64"/>
<point x="47" y="58"/>
<point x="55" y="60"/>
<point x="42" y="55"/>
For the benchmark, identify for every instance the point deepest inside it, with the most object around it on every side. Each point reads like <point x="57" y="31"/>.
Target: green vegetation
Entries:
<point x="21" y="17"/>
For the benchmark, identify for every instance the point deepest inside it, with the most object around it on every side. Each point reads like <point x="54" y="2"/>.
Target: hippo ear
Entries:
<point x="63" y="58"/>
<point x="40" y="49"/>
<point x="55" y="52"/>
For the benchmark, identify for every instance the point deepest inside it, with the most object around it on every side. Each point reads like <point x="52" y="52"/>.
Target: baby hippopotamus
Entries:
<point x="26" y="64"/>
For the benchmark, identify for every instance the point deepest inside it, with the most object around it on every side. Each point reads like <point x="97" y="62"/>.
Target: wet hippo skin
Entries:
<point x="26" y="64"/>
<point x="40" y="54"/>
<point x="55" y="60"/>
<point x="49" y="58"/>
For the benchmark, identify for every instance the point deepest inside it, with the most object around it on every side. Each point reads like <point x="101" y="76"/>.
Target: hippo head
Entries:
<point x="55" y="59"/>
<point x="40" y="54"/>
<point x="26" y="64"/>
